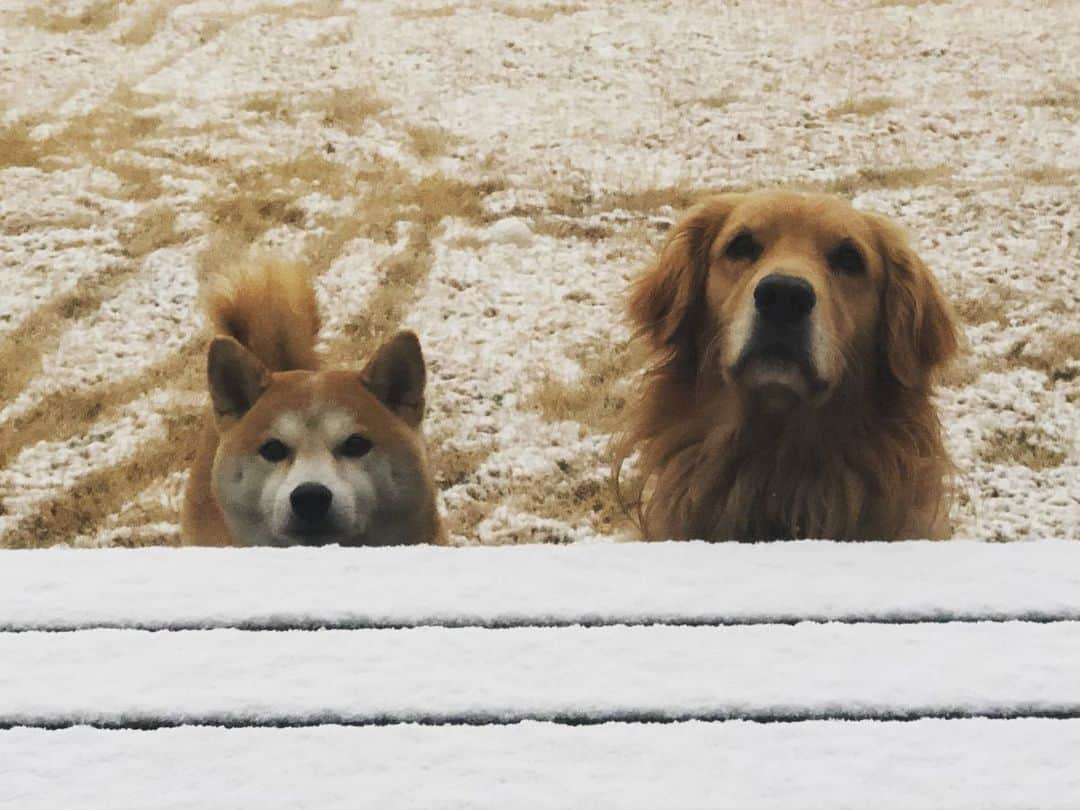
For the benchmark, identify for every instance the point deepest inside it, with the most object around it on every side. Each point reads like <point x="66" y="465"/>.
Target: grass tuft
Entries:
<point x="1030" y="447"/>
<point x="542" y="13"/>
<point x="861" y="106"/>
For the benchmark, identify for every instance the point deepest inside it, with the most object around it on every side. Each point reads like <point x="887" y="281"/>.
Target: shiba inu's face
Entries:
<point x="319" y="457"/>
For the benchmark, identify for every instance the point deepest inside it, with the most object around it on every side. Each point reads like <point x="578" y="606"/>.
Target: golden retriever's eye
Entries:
<point x="847" y="259"/>
<point x="356" y="446"/>
<point x="274" y="451"/>
<point x="743" y="248"/>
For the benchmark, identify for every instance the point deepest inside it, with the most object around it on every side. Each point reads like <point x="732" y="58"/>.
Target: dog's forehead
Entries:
<point x="817" y="216"/>
<point x="326" y="405"/>
<point x="317" y="421"/>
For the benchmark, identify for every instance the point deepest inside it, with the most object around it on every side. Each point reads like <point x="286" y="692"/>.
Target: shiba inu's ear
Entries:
<point x="237" y="378"/>
<point x="396" y="375"/>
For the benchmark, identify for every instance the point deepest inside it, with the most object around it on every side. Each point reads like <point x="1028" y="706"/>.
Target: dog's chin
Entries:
<point x="775" y="382"/>
<point x="313" y="536"/>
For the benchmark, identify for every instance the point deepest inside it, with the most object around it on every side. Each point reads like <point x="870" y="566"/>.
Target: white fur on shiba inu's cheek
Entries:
<point x="239" y="481"/>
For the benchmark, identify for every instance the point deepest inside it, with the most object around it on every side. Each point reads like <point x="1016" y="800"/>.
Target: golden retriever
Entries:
<point x="794" y="346"/>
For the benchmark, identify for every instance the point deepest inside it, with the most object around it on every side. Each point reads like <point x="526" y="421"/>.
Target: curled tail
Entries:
<point x="268" y="306"/>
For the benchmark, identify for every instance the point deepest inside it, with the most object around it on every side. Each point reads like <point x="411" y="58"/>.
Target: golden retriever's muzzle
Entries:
<point x="778" y="349"/>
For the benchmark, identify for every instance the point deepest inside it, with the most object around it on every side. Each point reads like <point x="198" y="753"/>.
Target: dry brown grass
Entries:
<point x="897" y="177"/>
<point x="429" y="142"/>
<point x="1050" y="176"/>
<point x="148" y="22"/>
<point x="454" y="464"/>
<point x="1028" y="447"/>
<point x="595" y="400"/>
<point x="64" y="414"/>
<point x="1059" y="357"/>
<point x="1066" y="99"/>
<point x="349" y="108"/>
<point x="265" y="197"/>
<point x="986" y="308"/>
<point x="425" y="203"/>
<point x="570" y="205"/>
<point x="861" y="106"/>
<point x="567" y="228"/>
<point x="718" y="101"/>
<point x="541" y="13"/>
<point x="94" y="17"/>
<point x="576" y="494"/>
<point x="152" y="228"/>
<point x="597" y="397"/>
<point x="83" y="507"/>
<point x="386" y="308"/>
<point x="17" y="147"/>
<point x="434" y="12"/>
<point x="650" y="199"/>
<point x="581" y="499"/>
<point x="21" y="350"/>
<point x="908" y="3"/>
<point x="108" y="136"/>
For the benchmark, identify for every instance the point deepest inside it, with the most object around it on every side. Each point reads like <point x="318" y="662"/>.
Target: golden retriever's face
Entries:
<point x="784" y="295"/>
<point x="794" y="285"/>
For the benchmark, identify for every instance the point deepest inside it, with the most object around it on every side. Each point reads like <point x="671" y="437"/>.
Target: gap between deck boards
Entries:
<point x="1066" y="712"/>
<point x="510" y="623"/>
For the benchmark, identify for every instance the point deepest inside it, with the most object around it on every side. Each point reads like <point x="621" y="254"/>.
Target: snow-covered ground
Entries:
<point x="492" y="174"/>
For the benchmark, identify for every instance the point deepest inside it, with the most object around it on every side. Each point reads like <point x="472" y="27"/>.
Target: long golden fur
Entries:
<point x="738" y="440"/>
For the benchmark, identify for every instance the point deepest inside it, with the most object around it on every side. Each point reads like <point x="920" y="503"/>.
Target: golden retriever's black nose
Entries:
<point x="311" y="502"/>
<point x="783" y="300"/>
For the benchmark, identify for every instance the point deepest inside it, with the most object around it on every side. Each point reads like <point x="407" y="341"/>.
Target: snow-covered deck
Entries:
<point x="640" y="675"/>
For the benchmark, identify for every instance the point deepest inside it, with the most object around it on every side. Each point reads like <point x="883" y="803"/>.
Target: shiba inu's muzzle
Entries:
<point x="311" y="520"/>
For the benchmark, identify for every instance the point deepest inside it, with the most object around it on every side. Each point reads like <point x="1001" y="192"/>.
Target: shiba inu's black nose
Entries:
<point x="784" y="300"/>
<point x="310" y="502"/>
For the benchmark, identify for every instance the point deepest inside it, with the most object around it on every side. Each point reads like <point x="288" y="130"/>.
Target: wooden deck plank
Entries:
<point x="962" y="765"/>
<point x="128" y="678"/>
<point x="677" y="583"/>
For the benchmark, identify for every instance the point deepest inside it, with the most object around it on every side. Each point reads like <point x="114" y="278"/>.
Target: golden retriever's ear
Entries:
<point x="663" y="300"/>
<point x="918" y="330"/>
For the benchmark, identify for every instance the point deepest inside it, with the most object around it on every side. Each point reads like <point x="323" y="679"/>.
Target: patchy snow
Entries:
<point x="967" y="765"/>
<point x="560" y="114"/>
<point x="592" y="583"/>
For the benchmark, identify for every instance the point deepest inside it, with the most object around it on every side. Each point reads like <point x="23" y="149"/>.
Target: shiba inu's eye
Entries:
<point x="355" y="446"/>
<point x="274" y="451"/>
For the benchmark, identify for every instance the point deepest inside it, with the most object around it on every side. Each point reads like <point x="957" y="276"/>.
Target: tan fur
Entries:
<point x="269" y="308"/>
<point x="860" y="459"/>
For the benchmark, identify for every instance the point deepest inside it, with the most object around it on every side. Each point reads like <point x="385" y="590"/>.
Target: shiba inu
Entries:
<point x="293" y="454"/>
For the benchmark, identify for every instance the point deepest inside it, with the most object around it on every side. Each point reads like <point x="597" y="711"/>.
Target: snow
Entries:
<point x="510" y="231"/>
<point x="965" y="765"/>
<point x="591" y="583"/>
<point x="570" y="674"/>
<point x="563" y="114"/>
